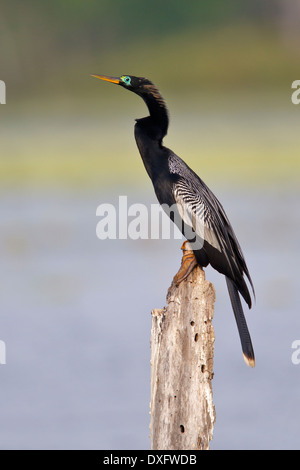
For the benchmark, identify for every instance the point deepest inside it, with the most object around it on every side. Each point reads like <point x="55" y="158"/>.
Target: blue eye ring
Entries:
<point x="126" y="79"/>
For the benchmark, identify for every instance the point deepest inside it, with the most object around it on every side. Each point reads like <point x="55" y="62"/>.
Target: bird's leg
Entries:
<point x="188" y="263"/>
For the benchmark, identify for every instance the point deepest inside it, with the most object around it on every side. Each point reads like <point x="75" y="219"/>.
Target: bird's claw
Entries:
<point x="188" y="263"/>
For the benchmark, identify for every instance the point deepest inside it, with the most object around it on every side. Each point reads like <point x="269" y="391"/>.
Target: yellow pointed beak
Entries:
<point x="107" y="79"/>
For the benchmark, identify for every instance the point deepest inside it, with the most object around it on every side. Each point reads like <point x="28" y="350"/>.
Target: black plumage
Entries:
<point x="190" y="203"/>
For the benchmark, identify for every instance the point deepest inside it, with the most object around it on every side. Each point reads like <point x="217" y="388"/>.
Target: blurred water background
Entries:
<point x="75" y="311"/>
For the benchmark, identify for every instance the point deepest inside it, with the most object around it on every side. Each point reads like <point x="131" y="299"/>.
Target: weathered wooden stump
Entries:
<point x="182" y="351"/>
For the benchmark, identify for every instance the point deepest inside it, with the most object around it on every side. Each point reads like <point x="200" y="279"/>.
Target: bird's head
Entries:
<point x="138" y="85"/>
<point x="149" y="93"/>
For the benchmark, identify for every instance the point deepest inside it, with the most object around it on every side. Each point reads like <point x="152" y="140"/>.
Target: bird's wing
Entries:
<point x="200" y="209"/>
<point x="196" y="213"/>
<point x="197" y="205"/>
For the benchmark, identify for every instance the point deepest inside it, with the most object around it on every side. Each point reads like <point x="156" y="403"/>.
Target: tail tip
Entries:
<point x="250" y="361"/>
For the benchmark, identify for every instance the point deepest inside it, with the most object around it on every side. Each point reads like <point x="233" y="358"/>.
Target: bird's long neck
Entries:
<point x="150" y="131"/>
<point x="158" y="110"/>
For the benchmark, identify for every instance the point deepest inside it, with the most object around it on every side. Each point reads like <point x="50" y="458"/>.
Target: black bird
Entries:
<point x="190" y="203"/>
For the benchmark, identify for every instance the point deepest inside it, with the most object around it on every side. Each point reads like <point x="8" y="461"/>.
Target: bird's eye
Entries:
<point x="126" y="79"/>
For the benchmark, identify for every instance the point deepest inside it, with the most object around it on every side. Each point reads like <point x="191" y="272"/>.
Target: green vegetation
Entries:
<point x="245" y="146"/>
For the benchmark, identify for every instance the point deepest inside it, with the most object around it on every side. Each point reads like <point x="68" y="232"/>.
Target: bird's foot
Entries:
<point x="188" y="263"/>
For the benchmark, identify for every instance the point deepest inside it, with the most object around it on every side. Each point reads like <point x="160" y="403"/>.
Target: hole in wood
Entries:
<point x="181" y="428"/>
<point x="196" y="337"/>
<point x="192" y="323"/>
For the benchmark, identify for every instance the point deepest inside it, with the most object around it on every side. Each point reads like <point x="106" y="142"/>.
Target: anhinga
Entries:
<point x="190" y="204"/>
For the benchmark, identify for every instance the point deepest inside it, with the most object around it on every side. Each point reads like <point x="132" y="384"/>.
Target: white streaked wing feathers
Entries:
<point x="195" y="213"/>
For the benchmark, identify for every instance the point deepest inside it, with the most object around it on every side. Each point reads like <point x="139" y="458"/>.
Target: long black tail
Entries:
<point x="241" y="323"/>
